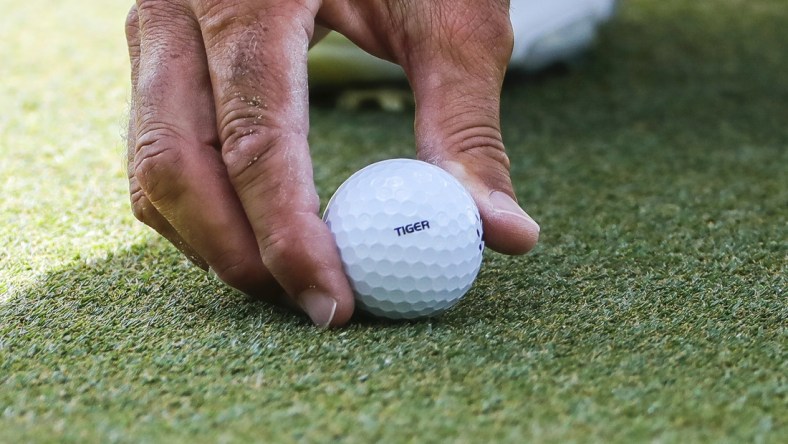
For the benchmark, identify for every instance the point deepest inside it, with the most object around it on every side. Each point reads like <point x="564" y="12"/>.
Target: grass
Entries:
<point x="654" y="308"/>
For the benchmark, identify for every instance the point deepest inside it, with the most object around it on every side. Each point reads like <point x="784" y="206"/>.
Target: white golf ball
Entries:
<point x="410" y="238"/>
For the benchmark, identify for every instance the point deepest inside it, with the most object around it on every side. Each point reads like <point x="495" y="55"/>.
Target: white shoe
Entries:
<point x="545" y="32"/>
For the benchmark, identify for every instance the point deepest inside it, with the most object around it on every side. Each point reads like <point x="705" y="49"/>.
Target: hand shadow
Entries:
<point x="152" y="286"/>
<point x="148" y="285"/>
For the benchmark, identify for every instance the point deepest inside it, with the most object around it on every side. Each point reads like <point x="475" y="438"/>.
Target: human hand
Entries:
<point x="218" y="156"/>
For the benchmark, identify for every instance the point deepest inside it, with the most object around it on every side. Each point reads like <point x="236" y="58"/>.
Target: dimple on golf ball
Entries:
<point x="409" y="236"/>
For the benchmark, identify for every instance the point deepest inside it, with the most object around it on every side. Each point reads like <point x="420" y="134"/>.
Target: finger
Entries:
<point x="457" y="81"/>
<point x="141" y="207"/>
<point x="176" y="163"/>
<point x="258" y="67"/>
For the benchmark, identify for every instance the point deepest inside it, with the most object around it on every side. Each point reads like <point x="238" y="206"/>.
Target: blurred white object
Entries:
<point x="545" y="32"/>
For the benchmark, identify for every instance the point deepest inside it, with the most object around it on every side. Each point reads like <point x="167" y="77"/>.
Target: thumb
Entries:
<point x="458" y="128"/>
<point x="467" y="143"/>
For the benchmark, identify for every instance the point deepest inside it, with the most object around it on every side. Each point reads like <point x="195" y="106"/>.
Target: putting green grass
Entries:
<point x="653" y="309"/>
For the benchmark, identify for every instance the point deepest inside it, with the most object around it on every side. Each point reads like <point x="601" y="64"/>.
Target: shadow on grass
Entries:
<point x="146" y="285"/>
<point x="151" y="285"/>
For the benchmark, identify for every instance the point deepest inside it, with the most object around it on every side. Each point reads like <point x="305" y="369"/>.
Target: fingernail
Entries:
<point x="320" y="307"/>
<point x="502" y="203"/>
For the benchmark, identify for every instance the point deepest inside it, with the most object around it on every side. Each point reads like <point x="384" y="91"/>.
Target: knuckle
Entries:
<point x="478" y="140"/>
<point x="503" y="42"/>
<point x="483" y="146"/>
<point x="481" y="149"/>
<point x="490" y="155"/>
<point x="161" y="8"/>
<point x="485" y="35"/>
<point x="140" y="206"/>
<point x="218" y="16"/>
<point x="270" y="163"/>
<point x="247" y="149"/>
<point x="164" y="22"/>
<point x="473" y="127"/>
<point x="158" y="165"/>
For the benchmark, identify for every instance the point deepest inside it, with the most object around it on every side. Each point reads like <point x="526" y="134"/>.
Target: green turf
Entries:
<point x="654" y="308"/>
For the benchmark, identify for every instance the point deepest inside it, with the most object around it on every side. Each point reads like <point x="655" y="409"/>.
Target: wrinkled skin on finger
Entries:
<point x="219" y="162"/>
<point x="455" y="55"/>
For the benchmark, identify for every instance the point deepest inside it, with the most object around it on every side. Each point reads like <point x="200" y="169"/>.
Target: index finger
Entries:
<point x="257" y="60"/>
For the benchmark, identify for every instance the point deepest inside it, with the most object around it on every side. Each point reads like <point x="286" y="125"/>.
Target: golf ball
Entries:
<point x="410" y="238"/>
